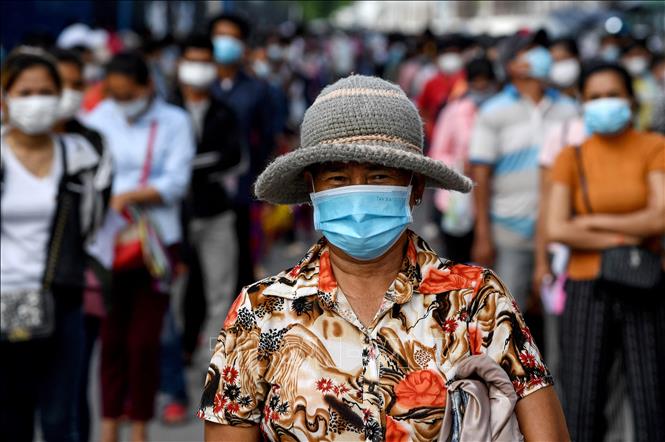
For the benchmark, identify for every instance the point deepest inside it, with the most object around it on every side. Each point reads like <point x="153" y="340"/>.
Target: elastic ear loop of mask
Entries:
<point x="311" y="177"/>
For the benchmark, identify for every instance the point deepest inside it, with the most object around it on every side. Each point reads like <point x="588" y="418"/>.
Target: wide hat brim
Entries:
<point x="282" y="182"/>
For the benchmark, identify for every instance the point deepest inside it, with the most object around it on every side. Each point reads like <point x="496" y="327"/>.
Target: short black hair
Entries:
<point x="452" y="41"/>
<point x="480" y="67"/>
<point x="131" y="64"/>
<point x="68" y="56"/>
<point x="241" y="22"/>
<point x="198" y="41"/>
<point x="633" y="44"/>
<point x="569" y="43"/>
<point x="595" y="66"/>
<point x="38" y="39"/>
<point x="23" y="58"/>
<point x="657" y="59"/>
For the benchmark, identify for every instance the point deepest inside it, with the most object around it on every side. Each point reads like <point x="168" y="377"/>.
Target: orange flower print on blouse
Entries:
<point x="457" y="277"/>
<point x="411" y="253"/>
<point x="395" y="432"/>
<point x="475" y="338"/>
<point x="327" y="281"/>
<point x="422" y="388"/>
<point x="232" y="315"/>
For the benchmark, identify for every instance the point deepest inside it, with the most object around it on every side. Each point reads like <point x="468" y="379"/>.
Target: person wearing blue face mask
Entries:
<point x="539" y="61"/>
<point x="371" y="311"/>
<point x="508" y="134"/>
<point x="607" y="204"/>
<point x="251" y="101"/>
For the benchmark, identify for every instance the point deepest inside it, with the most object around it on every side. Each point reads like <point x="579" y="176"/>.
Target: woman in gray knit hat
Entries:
<point x="359" y="339"/>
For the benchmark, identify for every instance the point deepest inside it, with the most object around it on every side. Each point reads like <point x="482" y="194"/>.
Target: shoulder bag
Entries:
<point x="137" y="244"/>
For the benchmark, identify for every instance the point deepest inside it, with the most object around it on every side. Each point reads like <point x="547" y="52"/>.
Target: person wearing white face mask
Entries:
<point x="209" y="219"/>
<point x="438" y="89"/>
<point x="152" y="145"/>
<point x="450" y="144"/>
<point x="70" y="67"/>
<point x="54" y="195"/>
<point x="566" y="66"/>
<point x="636" y="58"/>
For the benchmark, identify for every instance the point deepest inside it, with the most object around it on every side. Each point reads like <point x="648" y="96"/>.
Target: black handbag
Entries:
<point x="632" y="267"/>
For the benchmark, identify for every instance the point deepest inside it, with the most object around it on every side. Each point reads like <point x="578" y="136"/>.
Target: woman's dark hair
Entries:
<point x="596" y="66"/>
<point x="241" y="22"/>
<point x="480" y="67"/>
<point x="196" y="41"/>
<point x="569" y="43"/>
<point x="68" y="56"/>
<point x="131" y="64"/>
<point x="23" y="58"/>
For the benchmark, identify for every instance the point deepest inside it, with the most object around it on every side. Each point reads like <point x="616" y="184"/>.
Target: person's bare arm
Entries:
<point x="482" y="251"/>
<point x="227" y="433"/>
<point x="541" y="418"/>
<point x="561" y="226"/>
<point x="647" y="222"/>
<point x="542" y="268"/>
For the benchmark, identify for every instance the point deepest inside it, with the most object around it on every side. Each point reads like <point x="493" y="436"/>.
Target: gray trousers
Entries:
<point x="515" y="268"/>
<point x="215" y="242"/>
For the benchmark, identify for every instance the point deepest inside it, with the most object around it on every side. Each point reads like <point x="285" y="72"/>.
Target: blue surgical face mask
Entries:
<point x="363" y="220"/>
<point x="540" y="61"/>
<point x="607" y="115"/>
<point x="610" y="53"/>
<point x="227" y="49"/>
<point x="479" y="97"/>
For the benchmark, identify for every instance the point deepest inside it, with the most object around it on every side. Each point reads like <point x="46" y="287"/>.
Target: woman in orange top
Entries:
<point x="622" y="203"/>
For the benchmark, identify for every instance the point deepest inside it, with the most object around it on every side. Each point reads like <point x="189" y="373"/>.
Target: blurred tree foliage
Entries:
<point x="320" y="9"/>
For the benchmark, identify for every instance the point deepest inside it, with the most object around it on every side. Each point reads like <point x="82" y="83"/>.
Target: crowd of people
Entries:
<point x="144" y="155"/>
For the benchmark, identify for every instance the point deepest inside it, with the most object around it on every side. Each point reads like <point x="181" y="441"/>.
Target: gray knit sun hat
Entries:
<point x="361" y="119"/>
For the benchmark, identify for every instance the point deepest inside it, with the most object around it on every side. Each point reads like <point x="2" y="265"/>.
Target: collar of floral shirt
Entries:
<point x="314" y="275"/>
<point x="421" y="272"/>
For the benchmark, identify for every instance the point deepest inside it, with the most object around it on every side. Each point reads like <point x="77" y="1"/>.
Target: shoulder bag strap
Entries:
<point x="565" y="129"/>
<point x="62" y="214"/>
<point x="147" y="164"/>
<point x="582" y="176"/>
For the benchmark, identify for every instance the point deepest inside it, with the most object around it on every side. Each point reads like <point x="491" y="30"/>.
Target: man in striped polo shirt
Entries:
<point x="505" y="146"/>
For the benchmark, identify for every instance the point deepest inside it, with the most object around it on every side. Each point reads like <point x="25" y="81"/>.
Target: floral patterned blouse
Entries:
<point x="294" y="358"/>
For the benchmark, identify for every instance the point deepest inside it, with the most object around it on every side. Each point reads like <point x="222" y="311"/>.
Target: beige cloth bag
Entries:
<point x="480" y="404"/>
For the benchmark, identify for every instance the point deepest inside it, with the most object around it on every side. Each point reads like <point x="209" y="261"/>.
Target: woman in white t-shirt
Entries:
<point x="51" y="204"/>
